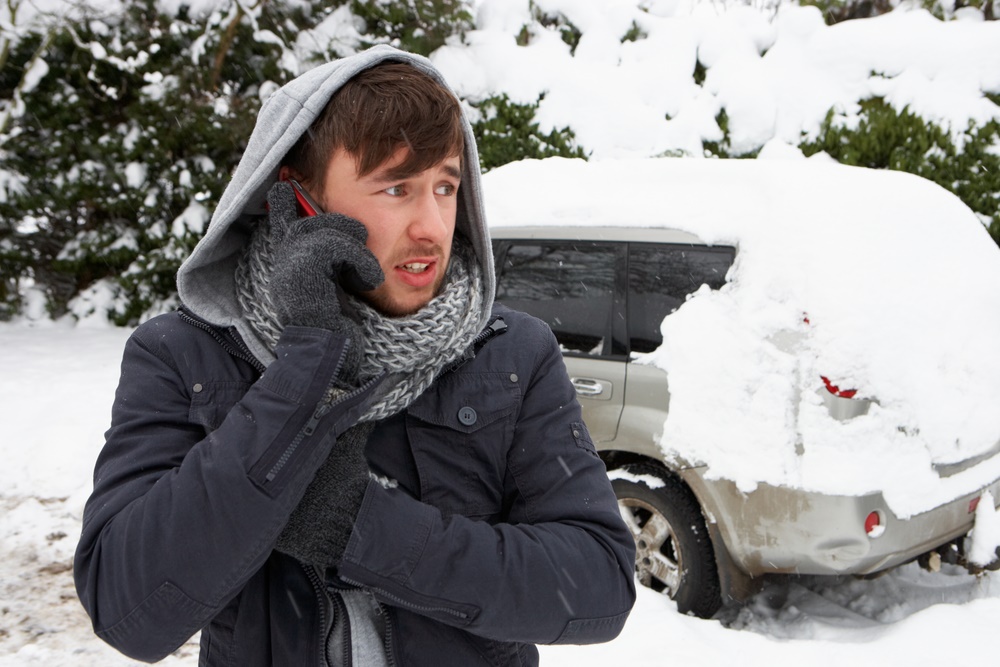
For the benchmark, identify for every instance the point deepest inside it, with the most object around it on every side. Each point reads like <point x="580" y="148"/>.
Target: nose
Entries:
<point x="428" y="223"/>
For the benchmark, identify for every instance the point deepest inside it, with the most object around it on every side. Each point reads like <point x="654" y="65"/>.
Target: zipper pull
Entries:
<point x="311" y="425"/>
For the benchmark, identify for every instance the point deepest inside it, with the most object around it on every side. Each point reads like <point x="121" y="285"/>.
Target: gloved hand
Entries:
<point x="320" y="526"/>
<point x="313" y="256"/>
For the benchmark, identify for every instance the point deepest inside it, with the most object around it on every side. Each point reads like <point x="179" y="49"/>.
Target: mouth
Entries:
<point x="415" y="267"/>
<point x="418" y="273"/>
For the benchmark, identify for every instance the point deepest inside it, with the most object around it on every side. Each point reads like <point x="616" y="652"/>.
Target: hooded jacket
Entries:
<point x="501" y="532"/>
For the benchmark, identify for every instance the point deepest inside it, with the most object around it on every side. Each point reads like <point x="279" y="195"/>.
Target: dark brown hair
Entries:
<point x="377" y="112"/>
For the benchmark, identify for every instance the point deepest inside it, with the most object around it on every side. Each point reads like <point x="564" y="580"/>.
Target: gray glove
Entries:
<point x="313" y="257"/>
<point x="320" y="526"/>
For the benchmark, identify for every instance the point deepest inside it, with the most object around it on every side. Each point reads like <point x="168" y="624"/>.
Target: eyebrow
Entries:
<point x="389" y="175"/>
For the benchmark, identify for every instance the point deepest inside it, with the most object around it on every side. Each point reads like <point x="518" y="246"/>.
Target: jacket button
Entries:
<point x="513" y="377"/>
<point x="197" y="388"/>
<point x="467" y="416"/>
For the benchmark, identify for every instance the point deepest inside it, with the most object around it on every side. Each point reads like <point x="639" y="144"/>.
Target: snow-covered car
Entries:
<point x="787" y="366"/>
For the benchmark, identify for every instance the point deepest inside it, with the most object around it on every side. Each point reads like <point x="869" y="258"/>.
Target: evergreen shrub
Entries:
<point x="125" y="148"/>
<point x="507" y="131"/>
<point x="966" y="163"/>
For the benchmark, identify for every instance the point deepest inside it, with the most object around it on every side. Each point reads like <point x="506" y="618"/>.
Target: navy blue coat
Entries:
<point x="502" y="533"/>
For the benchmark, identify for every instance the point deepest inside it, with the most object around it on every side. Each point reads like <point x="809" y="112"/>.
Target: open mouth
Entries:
<point x="417" y="273"/>
<point x="415" y="267"/>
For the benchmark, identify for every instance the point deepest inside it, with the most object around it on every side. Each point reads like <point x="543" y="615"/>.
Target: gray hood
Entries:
<point x="206" y="280"/>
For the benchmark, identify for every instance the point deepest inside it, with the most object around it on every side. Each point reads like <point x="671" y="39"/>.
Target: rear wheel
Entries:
<point x="673" y="553"/>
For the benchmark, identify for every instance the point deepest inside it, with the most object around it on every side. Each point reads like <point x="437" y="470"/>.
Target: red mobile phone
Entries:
<point x="307" y="205"/>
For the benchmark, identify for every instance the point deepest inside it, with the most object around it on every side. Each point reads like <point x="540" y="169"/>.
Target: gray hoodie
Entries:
<point x="206" y="280"/>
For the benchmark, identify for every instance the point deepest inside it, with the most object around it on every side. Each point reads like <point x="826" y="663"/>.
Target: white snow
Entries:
<point x="650" y="481"/>
<point x="135" y="174"/>
<point x="986" y="534"/>
<point x="55" y="396"/>
<point x="36" y="72"/>
<point x="777" y="73"/>
<point x="777" y="70"/>
<point x="192" y="219"/>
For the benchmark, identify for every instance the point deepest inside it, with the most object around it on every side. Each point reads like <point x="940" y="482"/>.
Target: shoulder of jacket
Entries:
<point x="524" y="342"/>
<point x="173" y="331"/>
<point x="162" y="327"/>
<point x="521" y="325"/>
<point x="189" y="345"/>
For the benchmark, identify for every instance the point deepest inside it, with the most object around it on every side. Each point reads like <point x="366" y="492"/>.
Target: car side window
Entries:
<point x="568" y="285"/>
<point x="660" y="277"/>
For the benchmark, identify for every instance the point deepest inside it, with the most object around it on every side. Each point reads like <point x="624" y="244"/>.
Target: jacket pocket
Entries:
<point x="460" y="430"/>
<point x="212" y="401"/>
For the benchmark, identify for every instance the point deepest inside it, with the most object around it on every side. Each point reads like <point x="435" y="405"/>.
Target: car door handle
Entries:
<point x="587" y="387"/>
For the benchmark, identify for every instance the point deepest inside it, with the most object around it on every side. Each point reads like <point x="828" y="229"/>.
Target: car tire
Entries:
<point x="674" y="553"/>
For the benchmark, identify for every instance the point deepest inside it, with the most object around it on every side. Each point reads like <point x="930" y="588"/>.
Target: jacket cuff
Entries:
<point x="388" y="542"/>
<point x="389" y="512"/>
<point x="304" y="348"/>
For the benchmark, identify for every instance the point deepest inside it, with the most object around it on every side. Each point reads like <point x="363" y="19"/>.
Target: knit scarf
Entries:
<point x="412" y="349"/>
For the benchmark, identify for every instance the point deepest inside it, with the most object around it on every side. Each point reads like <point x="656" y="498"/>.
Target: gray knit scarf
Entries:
<point x="411" y="349"/>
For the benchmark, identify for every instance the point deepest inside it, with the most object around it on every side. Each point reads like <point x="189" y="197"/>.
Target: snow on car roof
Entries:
<point x="717" y="199"/>
<point x="878" y="280"/>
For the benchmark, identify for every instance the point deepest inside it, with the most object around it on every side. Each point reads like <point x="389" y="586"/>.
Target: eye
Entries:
<point x="395" y="191"/>
<point x="445" y="189"/>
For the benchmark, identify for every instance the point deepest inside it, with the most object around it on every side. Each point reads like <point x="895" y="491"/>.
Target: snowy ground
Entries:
<point x="55" y="392"/>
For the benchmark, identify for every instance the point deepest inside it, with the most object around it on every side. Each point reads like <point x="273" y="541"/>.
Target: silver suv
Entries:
<point x="605" y="289"/>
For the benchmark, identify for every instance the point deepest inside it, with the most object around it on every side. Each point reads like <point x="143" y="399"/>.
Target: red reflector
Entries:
<point x="872" y="522"/>
<point x="973" y="504"/>
<point x="837" y="391"/>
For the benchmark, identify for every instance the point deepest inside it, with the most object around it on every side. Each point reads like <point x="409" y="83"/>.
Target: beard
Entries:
<point x="389" y="304"/>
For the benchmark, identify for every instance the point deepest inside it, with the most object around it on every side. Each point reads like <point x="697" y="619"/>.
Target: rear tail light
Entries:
<point x="837" y="391"/>
<point x="843" y="404"/>
<point x="873" y="524"/>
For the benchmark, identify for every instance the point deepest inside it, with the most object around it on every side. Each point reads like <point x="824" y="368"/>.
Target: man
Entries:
<point x="340" y="452"/>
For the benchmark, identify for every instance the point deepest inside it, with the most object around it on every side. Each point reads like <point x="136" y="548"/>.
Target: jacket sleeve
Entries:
<point x="178" y="522"/>
<point x="559" y="570"/>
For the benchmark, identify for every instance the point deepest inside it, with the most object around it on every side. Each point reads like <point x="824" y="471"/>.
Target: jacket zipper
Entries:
<point x="322" y="408"/>
<point x="234" y="346"/>
<point x="242" y="346"/>
<point x="495" y="327"/>
<point x="307" y="430"/>
<point x="390" y="619"/>
<point x="399" y="602"/>
<point x="237" y="348"/>
<point x="345" y="640"/>
<point x="322" y="599"/>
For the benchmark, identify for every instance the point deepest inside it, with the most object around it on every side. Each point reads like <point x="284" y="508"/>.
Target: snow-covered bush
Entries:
<point x="835" y="11"/>
<point x="419" y="26"/>
<point x="123" y="146"/>
<point x="120" y="120"/>
<point x="506" y="132"/>
<point x="118" y="130"/>
<point x="883" y="138"/>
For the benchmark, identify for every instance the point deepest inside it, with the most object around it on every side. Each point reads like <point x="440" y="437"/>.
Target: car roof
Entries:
<point x="592" y="233"/>
<point x="717" y="201"/>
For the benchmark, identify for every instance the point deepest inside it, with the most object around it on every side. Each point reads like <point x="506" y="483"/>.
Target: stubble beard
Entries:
<point x="382" y="300"/>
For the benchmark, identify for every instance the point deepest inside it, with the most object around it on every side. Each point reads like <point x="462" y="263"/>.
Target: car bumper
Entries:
<point x="783" y="530"/>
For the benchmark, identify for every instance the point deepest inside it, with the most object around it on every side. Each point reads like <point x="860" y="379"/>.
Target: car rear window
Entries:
<point x="588" y="291"/>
